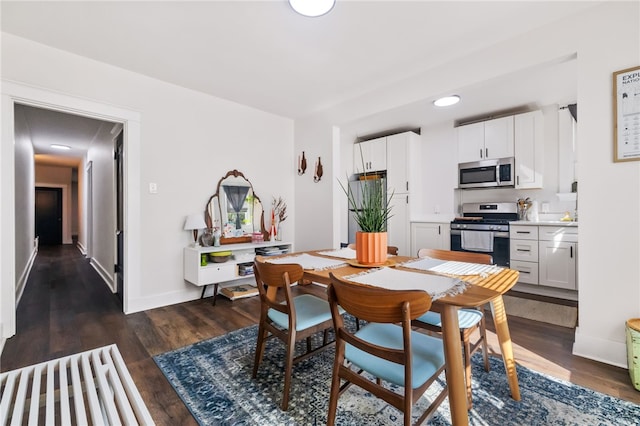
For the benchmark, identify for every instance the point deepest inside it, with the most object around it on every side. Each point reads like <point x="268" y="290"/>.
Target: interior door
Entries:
<point x="49" y="215"/>
<point x="119" y="169"/>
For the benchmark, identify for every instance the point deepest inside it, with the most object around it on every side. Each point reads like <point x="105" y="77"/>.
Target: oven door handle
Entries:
<point x="500" y="234"/>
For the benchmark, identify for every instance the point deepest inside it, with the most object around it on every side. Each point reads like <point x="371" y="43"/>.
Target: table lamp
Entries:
<point x="194" y="222"/>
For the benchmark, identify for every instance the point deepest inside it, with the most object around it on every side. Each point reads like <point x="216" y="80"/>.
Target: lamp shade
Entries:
<point x="312" y="8"/>
<point x="194" y="221"/>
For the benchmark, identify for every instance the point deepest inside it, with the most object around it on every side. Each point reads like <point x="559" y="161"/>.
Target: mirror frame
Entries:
<point x="208" y="219"/>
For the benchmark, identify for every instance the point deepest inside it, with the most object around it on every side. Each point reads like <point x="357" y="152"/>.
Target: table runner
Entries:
<point x="452" y="267"/>
<point x="308" y="261"/>
<point x="393" y="279"/>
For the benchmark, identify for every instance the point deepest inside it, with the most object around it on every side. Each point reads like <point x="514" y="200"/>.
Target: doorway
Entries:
<point x="48" y="218"/>
<point x="119" y="175"/>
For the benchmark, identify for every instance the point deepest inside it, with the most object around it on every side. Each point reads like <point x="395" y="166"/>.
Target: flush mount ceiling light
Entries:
<point x="61" y="147"/>
<point x="447" y="101"/>
<point x="312" y="8"/>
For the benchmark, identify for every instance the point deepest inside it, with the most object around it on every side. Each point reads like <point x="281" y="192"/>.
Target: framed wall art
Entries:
<point x="626" y="111"/>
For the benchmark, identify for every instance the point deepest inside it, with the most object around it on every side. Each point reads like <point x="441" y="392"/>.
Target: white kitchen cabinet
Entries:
<point x="398" y="225"/>
<point x="486" y="140"/>
<point x="370" y="156"/>
<point x="558" y="251"/>
<point x="433" y="235"/>
<point x="558" y="264"/>
<point x="529" y="149"/>
<point x="403" y="152"/>
<point x="545" y="255"/>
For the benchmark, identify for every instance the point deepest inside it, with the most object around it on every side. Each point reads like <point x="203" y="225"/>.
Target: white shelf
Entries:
<point x="224" y="273"/>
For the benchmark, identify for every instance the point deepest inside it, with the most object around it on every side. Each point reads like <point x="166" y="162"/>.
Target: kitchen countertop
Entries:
<point x="544" y="223"/>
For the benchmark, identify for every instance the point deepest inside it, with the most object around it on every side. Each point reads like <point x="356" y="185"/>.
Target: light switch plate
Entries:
<point x="153" y="188"/>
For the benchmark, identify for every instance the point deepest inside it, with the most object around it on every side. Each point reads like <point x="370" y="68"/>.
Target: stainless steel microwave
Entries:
<point x="487" y="173"/>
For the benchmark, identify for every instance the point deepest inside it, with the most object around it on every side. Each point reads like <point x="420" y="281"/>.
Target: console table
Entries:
<point x="225" y="273"/>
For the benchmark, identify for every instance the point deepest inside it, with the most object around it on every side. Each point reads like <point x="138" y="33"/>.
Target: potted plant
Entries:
<point x="372" y="215"/>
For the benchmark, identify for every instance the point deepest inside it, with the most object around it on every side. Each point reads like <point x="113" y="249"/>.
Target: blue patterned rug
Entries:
<point x="213" y="378"/>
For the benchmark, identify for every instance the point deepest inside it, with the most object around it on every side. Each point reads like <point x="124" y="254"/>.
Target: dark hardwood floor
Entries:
<point x="66" y="308"/>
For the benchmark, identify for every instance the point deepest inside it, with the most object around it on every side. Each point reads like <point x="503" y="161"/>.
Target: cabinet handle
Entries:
<point x="525" y="250"/>
<point x="480" y="152"/>
<point x="517" y="180"/>
<point x="523" y="232"/>
<point x="407" y="183"/>
<point x="407" y="199"/>
<point x="524" y="272"/>
<point x="486" y="153"/>
<point x="571" y="252"/>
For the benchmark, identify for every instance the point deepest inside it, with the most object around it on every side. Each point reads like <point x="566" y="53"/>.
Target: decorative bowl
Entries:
<point x="220" y="256"/>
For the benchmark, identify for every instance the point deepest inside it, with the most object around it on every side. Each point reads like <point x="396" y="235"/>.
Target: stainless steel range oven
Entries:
<point x="484" y="228"/>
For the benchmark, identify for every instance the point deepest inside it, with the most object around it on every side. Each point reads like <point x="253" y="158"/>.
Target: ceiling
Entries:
<point x="262" y="54"/>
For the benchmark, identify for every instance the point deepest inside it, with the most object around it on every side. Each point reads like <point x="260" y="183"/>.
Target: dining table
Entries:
<point x="480" y="289"/>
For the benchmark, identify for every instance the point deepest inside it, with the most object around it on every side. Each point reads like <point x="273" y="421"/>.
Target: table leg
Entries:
<point x="203" y="290"/>
<point x="454" y="370"/>
<point x="502" y="330"/>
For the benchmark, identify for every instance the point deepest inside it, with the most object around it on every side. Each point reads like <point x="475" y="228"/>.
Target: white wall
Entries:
<point x="25" y="249"/>
<point x="188" y="141"/>
<point x="605" y="39"/>
<point x="100" y="154"/>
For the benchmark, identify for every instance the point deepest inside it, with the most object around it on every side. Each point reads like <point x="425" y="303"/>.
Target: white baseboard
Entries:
<point x="104" y="273"/>
<point x="82" y="248"/>
<point x="607" y="351"/>
<point x="22" y="281"/>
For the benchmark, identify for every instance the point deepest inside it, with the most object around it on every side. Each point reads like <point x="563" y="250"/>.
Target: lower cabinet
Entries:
<point x="435" y="235"/>
<point x="545" y="255"/>
<point x="558" y="264"/>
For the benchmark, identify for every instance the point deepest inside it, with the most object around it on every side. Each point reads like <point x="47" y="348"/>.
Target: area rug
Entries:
<point x="213" y="378"/>
<point x="551" y="313"/>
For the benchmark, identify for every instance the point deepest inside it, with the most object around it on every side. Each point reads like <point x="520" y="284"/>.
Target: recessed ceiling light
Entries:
<point x="61" y="147"/>
<point x="447" y="101"/>
<point x="312" y="8"/>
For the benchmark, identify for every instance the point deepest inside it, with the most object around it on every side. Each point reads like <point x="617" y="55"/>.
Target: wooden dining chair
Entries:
<point x="469" y="319"/>
<point x="393" y="250"/>
<point x="288" y="318"/>
<point x="386" y="347"/>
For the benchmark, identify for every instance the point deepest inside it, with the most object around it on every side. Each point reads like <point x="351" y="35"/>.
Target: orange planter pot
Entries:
<point x="371" y="248"/>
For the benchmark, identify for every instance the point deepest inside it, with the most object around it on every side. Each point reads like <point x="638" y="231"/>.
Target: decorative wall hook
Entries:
<point x="318" y="172"/>
<point x="302" y="164"/>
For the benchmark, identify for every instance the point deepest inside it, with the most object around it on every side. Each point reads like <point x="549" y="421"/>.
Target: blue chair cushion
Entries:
<point x="310" y="311"/>
<point x="467" y="318"/>
<point x="427" y="354"/>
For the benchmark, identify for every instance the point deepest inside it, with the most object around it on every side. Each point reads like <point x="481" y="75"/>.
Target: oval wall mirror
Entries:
<point x="235" y="209"/>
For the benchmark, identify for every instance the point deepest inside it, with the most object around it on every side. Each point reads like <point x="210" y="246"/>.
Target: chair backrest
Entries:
<point x="271" y="277"/>
<point x="390" y="249"/>
<point x="375" y="304"/>
<point x="460" y="256"/>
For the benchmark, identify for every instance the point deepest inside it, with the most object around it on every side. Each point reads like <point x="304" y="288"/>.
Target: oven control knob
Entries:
<point x="491" y="227"/>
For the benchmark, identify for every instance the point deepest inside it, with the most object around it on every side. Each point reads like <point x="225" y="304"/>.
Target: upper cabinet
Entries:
<point x="402" y="162"/>
<point x="529" y="149"/>
<point x="370" y="156"/>
<point x="486" y="140"/>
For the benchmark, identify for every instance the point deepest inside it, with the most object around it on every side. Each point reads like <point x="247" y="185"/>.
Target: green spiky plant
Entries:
<point x="375" y="210"/>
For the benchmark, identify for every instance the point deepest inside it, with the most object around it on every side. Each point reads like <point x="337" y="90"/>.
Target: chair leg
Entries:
<point x="466" y="347"/>
<point x="335" y="389"/>
<point x="288" y="367"/>
<point x="260" y="344"/>
<point x="485" y="347"/>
